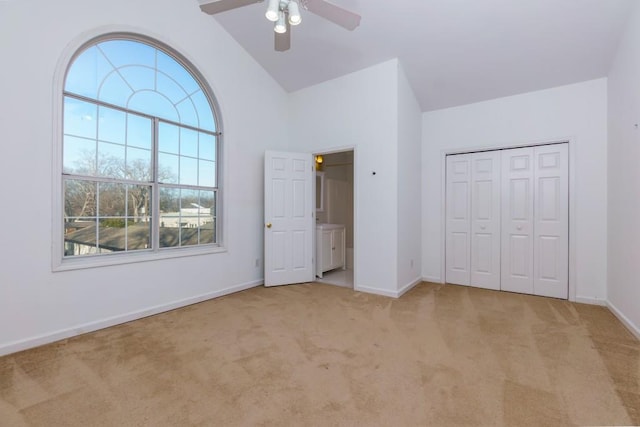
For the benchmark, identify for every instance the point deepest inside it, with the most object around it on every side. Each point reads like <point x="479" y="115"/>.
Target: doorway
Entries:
<point x="334" y="209"/>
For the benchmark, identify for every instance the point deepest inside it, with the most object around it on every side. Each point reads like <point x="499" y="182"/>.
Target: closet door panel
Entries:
<point x="551" y="236"/>
<point x="517" y="220"/>
<point x="458" y="227"/>
<point x="485" y="220"/>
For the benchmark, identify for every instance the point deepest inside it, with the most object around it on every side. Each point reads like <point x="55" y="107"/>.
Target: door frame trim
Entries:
<point x="571" y="147"/>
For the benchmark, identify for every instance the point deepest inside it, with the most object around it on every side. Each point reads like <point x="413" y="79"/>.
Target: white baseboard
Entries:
<point x="432" y="279"/>
<point x="590" y="300"/>
<point x="406" y="288"/>
<point x="634" y="329"/>
<point x="376" y="291"/>
<point x="36" y="341"/>
<point x="386" y="293"/>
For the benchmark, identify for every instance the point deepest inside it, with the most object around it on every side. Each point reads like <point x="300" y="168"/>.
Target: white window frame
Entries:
<point x="59" y="261"/>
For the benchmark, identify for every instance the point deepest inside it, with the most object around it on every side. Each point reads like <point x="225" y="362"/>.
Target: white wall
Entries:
<point x="577" y="112"/>
<point x="624" y="177"/>
<point x="359" y="110"/>
<point x="409" y="185"/>
<point x="37" y="305"/>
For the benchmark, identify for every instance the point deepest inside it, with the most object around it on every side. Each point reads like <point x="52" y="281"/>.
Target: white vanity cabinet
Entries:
<point x="330" y="247"/>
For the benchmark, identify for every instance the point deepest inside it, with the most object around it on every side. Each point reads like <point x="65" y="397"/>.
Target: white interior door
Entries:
<point x="485" y="220"/>
<point x="289" y="221"/>
<point x="458" y="226"/>
<point x="517" y="220"/>
<point x="551" y="229"/>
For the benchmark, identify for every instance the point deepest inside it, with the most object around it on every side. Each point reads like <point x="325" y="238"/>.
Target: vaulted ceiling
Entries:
<point x="454" y="52"/>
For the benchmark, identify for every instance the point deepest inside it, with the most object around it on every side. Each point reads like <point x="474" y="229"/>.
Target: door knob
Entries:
<point x="519" y="227"/>
<point x="482" y="227"/>
<point x="268" y="225"/>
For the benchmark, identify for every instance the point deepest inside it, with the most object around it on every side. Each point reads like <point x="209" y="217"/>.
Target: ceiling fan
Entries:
<point x="285" y="13"/>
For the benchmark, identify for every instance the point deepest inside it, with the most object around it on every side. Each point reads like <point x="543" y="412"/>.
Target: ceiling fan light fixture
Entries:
<point x="294" y="13"/>
<point x="273" y="10"/>
<point x="280" y="26"/>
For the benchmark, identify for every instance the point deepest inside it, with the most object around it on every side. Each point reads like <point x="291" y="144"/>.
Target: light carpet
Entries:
<point x="316" y="355"/>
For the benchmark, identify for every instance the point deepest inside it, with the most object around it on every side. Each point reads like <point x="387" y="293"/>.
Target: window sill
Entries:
<point x="95" y="261"/>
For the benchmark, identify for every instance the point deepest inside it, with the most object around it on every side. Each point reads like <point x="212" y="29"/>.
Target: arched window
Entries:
<point x="140" y="151"/>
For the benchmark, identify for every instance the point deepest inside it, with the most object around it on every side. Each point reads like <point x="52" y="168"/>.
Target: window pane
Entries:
<point x="169" y="204"/>
<point x="139" y="202"/>
<point x="114" y="90"/>
<point x="207" y="147"/>
<point x="207" y="233"/>
<point x="125" y="52"/>
<point x="111" y="200"/>
<point x="112" y="235"/>
<point x="170" y="67"/>
<point x="139" y="164"/>
<point x="87" y="73"/>
<point x="189" y="205"/>
<point x="168" y="167"/>
<point x="111" y="125"/>
<point x="139" y="131"/>
<point x="207" y="174"/>
<point x="168" y="138"/>
<point x="79" y="155"/>
<point x="187" y="112"/>
<point x="169" y="88"/>
<point x="169" y="217"/>
<point x="169" y="237"/>
<point x="189" y="236"/>
<point x="80" y="198"/>
<point x="207" y="220"/>
<point x="205" y="114"/>
<point x="138" y="235"/>
<point x="208" y="201"/>
<point x="80" y="236"/>
<point x="188" y="142"/>
<point x="139" y="77"/>
<point x="110" y="160"/>
<point x="188" y="171"/>
<point x="80" y="118"/>
<point x="189" y="217"/>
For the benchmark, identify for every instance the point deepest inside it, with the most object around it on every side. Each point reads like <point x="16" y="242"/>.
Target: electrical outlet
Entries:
<point x="411" y="263"/>
<point x="257" y="262"/>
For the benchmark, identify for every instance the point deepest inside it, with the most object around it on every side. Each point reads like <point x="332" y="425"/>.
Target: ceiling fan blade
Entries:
<point x="283" y="41"/>
<point x="333" y="13"/>
<point x="213" y="7"/>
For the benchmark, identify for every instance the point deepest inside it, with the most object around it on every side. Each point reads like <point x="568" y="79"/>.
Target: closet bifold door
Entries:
<point x="517" y="220"/>
<point x="551" y="228"/>
<point x="535" y="220"/>
<point x="485" y="220"/>
<point x="458" y="224"/>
